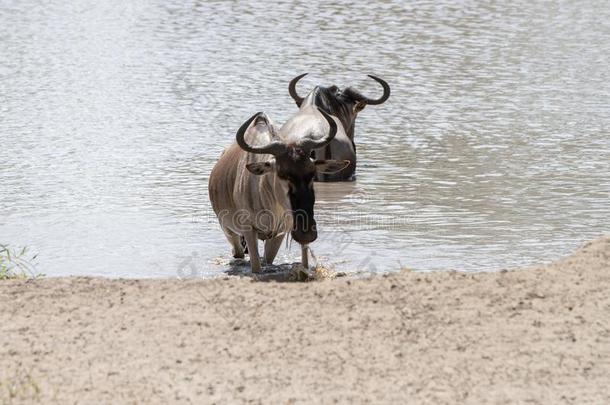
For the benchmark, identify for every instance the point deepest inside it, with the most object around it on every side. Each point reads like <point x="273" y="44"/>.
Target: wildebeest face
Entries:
<point x="297" y="170"/>
<point x="343" y="104"/>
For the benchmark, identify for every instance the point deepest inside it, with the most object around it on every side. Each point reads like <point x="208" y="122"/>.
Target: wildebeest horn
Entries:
<point x="292" y="89"/>
<point x="311" y="144"/>
<point x="386" y="92"/>
<point x="272" y="148"/>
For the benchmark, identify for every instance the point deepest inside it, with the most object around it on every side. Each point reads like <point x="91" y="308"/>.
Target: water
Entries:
<point x="492" y="152"/>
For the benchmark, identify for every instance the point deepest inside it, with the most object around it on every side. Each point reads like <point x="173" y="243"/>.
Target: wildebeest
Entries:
<point x="345" y="105"/>
<point x="262" y="185"/>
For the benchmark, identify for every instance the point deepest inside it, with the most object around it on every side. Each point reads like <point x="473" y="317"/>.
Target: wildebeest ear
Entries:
<point x="359" y="106"/>
<point x="330" y="166"/>
<point x="259" y="168"/>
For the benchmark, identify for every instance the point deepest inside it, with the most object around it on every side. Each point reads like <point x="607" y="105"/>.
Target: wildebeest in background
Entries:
<point x="345" y="105"/>
<point x="262" y="185"/>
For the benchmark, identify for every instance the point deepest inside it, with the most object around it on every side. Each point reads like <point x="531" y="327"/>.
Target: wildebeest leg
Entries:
<point x="252" y="242"/>
<point x="271" y="247"/>
<point x="305" y="256"/>
<point x="233" y="238"/>
<point x="242" y="240"/>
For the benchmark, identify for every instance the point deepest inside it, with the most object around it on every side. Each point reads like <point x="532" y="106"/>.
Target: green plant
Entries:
<point x="16" y="263"/>
<point x="22" y="388"/>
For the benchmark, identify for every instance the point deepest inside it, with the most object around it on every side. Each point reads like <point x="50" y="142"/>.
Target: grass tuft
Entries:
<point x="17" y="263"/>
<point x="20" y="389"/>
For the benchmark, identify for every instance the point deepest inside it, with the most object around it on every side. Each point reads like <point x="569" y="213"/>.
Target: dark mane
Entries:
<point x="352" y="95"/>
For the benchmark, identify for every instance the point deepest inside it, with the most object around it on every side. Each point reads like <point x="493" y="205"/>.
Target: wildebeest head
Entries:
<point x="343" y="104"/>
<point x="293" y="165"/>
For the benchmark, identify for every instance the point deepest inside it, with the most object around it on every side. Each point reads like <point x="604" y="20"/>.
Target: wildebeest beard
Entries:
<point x="304" y="225"/>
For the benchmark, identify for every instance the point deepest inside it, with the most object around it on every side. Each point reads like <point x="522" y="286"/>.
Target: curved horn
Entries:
<point x="292" y="89"/>
<point x="273" y="148"/>
<point x="310" y="144"/>
<point x="386" y="92"/>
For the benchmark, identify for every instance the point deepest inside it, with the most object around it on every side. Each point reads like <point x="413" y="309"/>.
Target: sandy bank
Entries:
<point x="535" y="335"/>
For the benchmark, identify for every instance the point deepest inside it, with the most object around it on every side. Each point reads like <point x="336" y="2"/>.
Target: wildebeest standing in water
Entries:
<point x="262" y="185"/>
<point x="345" y="105"/>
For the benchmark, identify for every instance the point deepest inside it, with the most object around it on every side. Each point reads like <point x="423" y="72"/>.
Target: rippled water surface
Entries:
<point x="492" y="152"/>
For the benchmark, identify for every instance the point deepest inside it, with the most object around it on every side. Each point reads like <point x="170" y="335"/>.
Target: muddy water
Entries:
<point x="493" y="151"/>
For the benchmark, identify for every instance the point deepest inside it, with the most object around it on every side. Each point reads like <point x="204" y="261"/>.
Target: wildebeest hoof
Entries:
<point x="303" y="274"/>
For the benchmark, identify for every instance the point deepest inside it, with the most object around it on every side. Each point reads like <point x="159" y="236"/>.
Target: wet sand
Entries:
<point x="533" y="335"/>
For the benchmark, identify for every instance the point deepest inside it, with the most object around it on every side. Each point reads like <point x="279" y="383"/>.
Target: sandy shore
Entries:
<point x="539" y="335"/>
